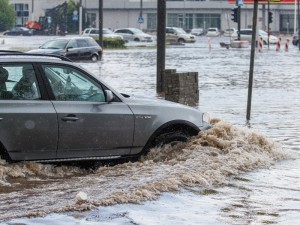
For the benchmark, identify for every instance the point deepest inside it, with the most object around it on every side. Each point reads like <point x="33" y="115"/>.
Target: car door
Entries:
<point x="72" y="50"/>
<point x="127" y="34"/>
<point x="28" y="122"/>
<point x="171" y="35"/>
<point x="88" y="125"/>
<point x="85" y="51"/>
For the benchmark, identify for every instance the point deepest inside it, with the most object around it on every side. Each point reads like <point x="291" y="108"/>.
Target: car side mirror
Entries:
<point x="109" y="96"/>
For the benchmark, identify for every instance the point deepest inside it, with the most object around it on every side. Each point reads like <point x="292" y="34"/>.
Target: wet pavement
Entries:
<point x="255" y="181"/>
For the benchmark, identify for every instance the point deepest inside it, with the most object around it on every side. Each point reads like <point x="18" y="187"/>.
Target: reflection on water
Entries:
<point x="213" y="176"/>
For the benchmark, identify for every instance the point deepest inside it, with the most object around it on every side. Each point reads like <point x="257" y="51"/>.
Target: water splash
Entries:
<point x="211" y="158"/>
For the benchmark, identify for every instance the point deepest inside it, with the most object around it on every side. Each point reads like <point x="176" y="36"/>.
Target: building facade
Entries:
<point x="187" y="14"/>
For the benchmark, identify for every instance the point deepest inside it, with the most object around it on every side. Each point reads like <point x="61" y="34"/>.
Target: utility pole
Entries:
<point x="101" y="23"/>
<point x="268" y="24"/>
<point x="80" y="17"/>
<point x="298" y="24"/>
<point x="161" y="44"/>
<point x="141" y="12"/>
<point x="253" y="45"/>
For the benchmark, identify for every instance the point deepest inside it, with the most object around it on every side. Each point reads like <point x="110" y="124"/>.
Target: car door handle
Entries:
<point x="1" y="119"/>
<point x="70" y="118"/>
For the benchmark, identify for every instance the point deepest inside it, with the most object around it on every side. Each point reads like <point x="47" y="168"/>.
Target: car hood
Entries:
<point x="46" y="51"/>
<point x="165" y="111"/>
<point x="112" y="36"/>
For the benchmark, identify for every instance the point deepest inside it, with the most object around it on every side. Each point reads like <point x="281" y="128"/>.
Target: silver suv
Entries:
<point x="53" y="110"/>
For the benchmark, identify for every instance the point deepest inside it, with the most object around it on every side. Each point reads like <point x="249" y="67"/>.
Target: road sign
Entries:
<point x="74" y="17"/>
<point x="240" y="2"/>
<point x="140" y="20"/>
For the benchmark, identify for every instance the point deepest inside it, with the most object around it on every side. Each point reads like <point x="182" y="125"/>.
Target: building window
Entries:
<point x="22" y="12"/>
<point x="287" y="23"/>
<point x="151" y="21"/>
<point x="207" y="20"/>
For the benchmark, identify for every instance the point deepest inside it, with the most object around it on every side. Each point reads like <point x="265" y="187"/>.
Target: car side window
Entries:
<point x="18" y="82"/>
<point x="72" y="44"/>
<point x="69" y="84"/>
<point x="81" y="43"/>
<point x="94" y="31"/>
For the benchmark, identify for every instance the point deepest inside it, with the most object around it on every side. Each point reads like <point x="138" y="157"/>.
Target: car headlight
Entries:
<point x="206" y="117"/>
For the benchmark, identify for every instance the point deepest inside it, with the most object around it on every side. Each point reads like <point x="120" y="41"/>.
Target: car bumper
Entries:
<point x="190" y="41"/>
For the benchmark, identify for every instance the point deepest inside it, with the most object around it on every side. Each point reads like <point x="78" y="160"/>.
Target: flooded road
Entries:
<point x="228" y="175"/>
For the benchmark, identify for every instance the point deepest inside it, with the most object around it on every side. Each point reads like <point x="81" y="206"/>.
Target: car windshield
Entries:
<point x="107" y="31"/>
<point x="180" y="31"/>
<point x="263" y="33"/>
<point x="55" y="44"/>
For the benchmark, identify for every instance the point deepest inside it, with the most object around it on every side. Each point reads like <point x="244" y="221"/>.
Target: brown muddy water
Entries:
<point x="231" y="174"/>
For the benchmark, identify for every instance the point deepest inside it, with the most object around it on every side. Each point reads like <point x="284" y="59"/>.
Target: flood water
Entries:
<point x="231" y="174"/>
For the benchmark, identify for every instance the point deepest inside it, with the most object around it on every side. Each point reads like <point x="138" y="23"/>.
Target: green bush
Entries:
<point x="112" y="42"/>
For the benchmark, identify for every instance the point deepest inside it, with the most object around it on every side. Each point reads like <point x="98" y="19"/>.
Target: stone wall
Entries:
<point x="181" y="87"/>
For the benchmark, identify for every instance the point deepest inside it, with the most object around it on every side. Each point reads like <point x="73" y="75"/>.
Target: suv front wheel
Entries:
<point x="94" y="58"/>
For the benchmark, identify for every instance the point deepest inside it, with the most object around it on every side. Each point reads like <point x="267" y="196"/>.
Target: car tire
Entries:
<point x="171" y="138"/>
<point x="94" y="58"/>
<point x="137" y="39"/>
<point x="181" y="40"/>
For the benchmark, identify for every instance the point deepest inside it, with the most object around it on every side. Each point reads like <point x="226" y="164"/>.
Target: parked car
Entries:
<point x="229" y="32"/>
<point x="246" y="34"/>
<point x="213" y="32"/>
<point x="197" y="31"/>
<point x="19" y="31"/>
<point x="52" y="109"/>
<point x="176" y="34"/>
<point x="75" y="48"/>
<point x="107" y="33"/>
<point x="134" y="34"/>
<point x="295" y="39"/>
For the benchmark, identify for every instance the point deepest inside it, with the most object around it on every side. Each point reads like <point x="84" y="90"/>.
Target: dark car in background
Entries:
<point x="19" y="31"/>
<point x="295" y="39"/>
<point x="54" y="110"/>
<point x="75" y="48"/>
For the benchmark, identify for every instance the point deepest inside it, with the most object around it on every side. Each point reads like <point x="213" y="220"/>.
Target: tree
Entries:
<point x="7" y="15"/>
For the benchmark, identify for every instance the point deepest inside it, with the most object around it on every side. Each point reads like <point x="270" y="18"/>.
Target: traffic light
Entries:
<point x="234" y="15"/>
<point x="270" y="17"/>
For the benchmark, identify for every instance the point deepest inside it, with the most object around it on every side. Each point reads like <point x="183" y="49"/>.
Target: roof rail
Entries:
<point x="18" y="53"/>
